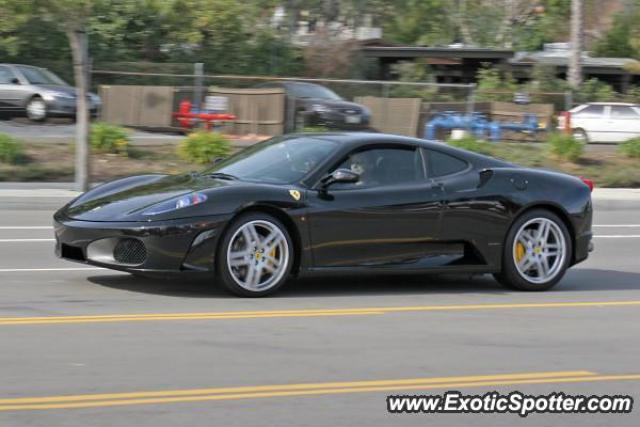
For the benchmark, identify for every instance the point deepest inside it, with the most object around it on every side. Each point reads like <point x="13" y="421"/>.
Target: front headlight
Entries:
<point x="53" y="94"/>
<point x="185" y="201"/>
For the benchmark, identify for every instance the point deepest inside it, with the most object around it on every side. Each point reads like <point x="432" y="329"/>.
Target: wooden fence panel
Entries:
<point x="398" y="116"/>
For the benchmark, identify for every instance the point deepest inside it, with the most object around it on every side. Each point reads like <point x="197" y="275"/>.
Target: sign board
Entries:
<point x="216" y="103"/>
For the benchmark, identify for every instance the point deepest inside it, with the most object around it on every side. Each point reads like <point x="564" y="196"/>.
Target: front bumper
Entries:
<point x="338" y="120"/>
<point x="67" y="107"/>
<point x="163" y="246"/>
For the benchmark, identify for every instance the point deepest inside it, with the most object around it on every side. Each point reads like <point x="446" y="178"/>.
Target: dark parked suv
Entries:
<point x="319" y="105"/>
<point x="39" y="93"/>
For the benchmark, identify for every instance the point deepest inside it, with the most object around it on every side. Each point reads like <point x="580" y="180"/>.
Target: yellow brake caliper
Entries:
<point x="272" y="256"/>
<point x="520" y="250"/>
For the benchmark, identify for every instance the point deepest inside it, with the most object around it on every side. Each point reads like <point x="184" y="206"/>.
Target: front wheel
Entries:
<point x="255" y="256"/>
<point x="37" y="109"/>
<point x="537" y="252"/>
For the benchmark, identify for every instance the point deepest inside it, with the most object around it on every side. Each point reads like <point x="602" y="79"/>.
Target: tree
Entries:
<point x="623" y="38"/>
<point x="73" y="17"/>
<point x="575" y="66"/>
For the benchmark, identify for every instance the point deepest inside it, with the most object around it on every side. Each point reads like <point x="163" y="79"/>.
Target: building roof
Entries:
<point x="435" y="52"/>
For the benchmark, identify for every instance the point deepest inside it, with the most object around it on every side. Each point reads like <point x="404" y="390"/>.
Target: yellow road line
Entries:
<point x="302" y="386"/>
<point x="301" y="313"/>
<point x="313" y="389"/>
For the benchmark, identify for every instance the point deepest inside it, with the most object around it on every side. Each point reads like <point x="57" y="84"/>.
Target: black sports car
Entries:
<point x="337" y="202"/>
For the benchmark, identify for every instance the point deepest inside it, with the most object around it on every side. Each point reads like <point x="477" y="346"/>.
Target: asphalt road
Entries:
<point x="89" y="347"/>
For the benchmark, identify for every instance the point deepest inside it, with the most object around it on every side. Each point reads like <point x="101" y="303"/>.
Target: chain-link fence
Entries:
<point x="147" y="95"/>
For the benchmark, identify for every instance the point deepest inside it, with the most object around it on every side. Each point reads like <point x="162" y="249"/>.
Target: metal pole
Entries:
<point x="198" y="72"/>
<point x="385" y="102"/>
<point x="471" y="99"/>
<point x="568" y="100"/>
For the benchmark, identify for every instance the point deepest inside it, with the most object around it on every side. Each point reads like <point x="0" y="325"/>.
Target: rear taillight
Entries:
<point x="589" y="183"/>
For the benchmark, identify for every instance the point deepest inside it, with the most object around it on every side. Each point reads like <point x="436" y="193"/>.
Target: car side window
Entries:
<point x="623" y="112"/>
<point x="590" y="111"/>
<point x="6" y="75"/>
<point x="441" y="164"/>
<point x="379" y="167"/>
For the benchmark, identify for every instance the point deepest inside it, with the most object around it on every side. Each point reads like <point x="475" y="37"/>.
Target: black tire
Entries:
<point x="39" y="104"/>
<point x="510" y="276"/>
<point x="580" y="135"/>
<point x="223" y="271"/>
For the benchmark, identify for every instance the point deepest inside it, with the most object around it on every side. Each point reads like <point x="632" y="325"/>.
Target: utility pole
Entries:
<point x="80" y="51"/>
<point x="575" y="65"/>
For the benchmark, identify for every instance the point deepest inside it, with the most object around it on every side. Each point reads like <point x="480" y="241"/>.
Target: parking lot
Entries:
<point x="82" y="344"/>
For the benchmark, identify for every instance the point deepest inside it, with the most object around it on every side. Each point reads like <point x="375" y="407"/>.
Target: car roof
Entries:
<point x="358" y="138"/>
<point x="622" y="104"/>
<point x="19" y="65"/>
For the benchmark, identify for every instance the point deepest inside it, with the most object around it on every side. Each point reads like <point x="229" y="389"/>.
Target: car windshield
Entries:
<point x="313" y="91"/>
<point x="280" y="160"/>
<point x="40" y="76"/>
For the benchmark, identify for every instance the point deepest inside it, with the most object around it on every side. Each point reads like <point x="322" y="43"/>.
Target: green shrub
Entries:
<point x="470" y="143"/>
<point x="315" y="129"/>
<point x="565" y="146"/>
<point x="630" y="148"/>
<point x="203" y="147"/>
<point x="107" y="138"/>
<point x="11" y="150"/>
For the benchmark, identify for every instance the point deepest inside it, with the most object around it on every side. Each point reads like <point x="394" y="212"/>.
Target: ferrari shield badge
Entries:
<point x="295" y="194"/>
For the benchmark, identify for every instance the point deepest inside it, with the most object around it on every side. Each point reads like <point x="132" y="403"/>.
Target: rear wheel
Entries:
<point x="580" y="135"/>
<point x="255" y="256"/>
<point x="37" y="109"/>
<point x="537" y="252"/>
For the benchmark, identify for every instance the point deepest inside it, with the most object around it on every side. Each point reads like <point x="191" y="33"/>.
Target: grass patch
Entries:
<point x="565" y="147"/>
<point x="630" y="148"/>
<point x="11" y="150"/>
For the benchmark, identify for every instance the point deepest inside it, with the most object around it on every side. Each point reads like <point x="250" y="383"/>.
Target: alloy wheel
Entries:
<point x="539" y="250"/>
<point x="258" y="255"/>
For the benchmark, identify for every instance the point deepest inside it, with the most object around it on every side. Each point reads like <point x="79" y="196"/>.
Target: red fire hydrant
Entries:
<point x="187" y="117"/>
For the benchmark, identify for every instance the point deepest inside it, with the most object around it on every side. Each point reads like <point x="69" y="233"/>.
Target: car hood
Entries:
<point x="124" y="200"/>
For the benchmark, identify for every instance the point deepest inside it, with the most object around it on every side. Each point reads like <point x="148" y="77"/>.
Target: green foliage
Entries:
<point x="11" y="150"/>
<point x="594" y="90"/>
<point x="630" y="148"/>
<point x="315" y="129"/>
<point x="622" y="40"/>
<point x="412" y="22"/>
<point x="108" y="138"/>
<point x="565" y="146"/>
<point x="203" y="147"/>
<point x="470" y="143"/>
<point x="493" y="86"/>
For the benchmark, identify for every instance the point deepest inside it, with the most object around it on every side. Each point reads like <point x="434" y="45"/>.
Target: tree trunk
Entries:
<point x="575" y="65"/>
<point x="80" y="52"/>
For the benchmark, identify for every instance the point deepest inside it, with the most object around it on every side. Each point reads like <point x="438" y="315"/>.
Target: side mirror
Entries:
<point x="15" y="81"/>
<point x="343" y="176"/>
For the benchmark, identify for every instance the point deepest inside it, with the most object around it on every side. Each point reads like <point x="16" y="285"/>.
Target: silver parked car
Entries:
<point x="39" y="93"/>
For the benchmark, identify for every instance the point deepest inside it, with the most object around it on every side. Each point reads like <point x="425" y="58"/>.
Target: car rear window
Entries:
<point x="590" y="111"/>
<point x="623" y="112"/>
<point x="441" y="164"/>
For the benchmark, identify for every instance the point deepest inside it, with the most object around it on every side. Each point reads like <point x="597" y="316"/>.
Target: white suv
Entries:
<point x="604" y="122"/>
